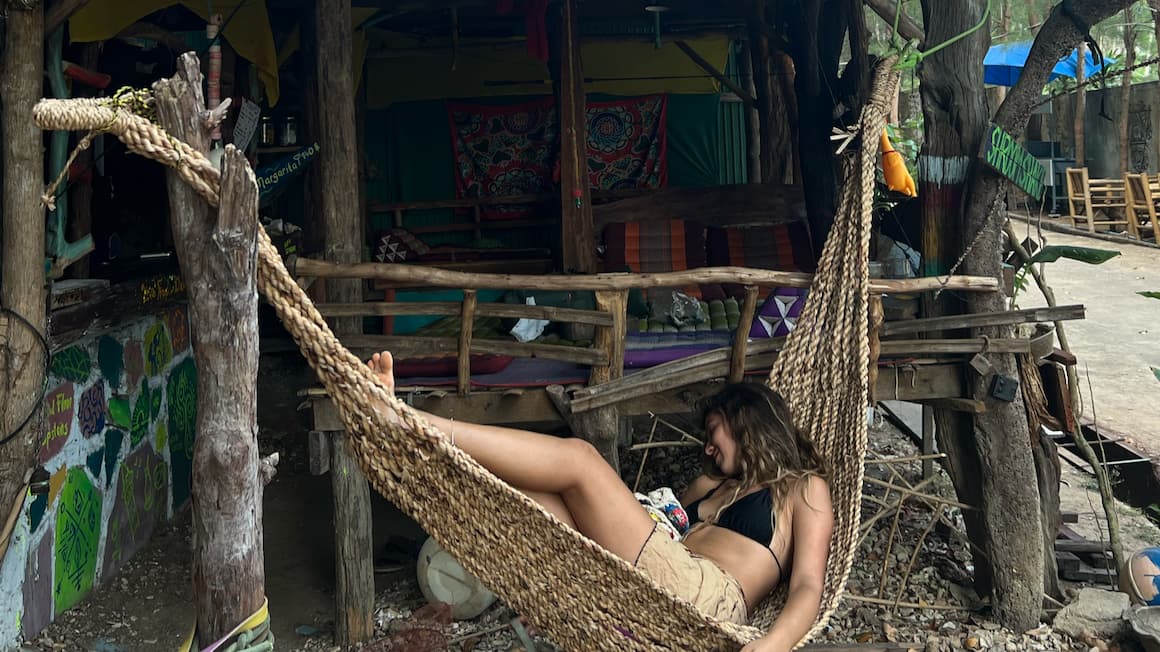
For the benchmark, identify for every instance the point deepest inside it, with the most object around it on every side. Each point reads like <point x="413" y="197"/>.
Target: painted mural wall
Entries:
<point x="120" y="419"/>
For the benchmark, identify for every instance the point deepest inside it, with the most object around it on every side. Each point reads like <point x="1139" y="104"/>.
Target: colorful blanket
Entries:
<point x="626" y="143"/>
<point x="504" y="150"/>
<point x="514" y="150"/>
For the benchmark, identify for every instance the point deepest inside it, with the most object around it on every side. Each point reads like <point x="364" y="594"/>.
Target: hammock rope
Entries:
<point x="580" y="595"/>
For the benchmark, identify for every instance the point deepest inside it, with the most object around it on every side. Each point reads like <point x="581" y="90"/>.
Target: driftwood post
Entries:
<point x="22" y="290"/>
<point x="218" y="255"/>
<point x="342" y="224"/>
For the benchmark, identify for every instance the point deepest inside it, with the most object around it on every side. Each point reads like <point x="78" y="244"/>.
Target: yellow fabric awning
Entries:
<point x="358" y="16"/>
<point x="248" y="32"/>
<point x="426" y="70"/>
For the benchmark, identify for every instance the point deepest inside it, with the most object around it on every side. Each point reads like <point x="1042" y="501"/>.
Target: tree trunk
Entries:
<point x="1126" y="91"/>
<point x="954" y="115"/>
<point x="1013" y="544"/>
<point x="1154" y="8"/>
<point x="1080" y="108"/>
<point x="218" y="260"/>
<point x="338" y="165"/>
<point x="815" y="50"/>
<point x="1005" y="35"/>
<point x="22" y="280"/>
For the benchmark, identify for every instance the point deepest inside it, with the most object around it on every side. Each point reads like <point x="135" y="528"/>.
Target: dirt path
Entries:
<point x="1119" y="341"/>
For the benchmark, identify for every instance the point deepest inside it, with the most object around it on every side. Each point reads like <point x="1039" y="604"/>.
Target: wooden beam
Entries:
<point x="759" y="356"/>
<point x="466" y="327"/>
<point x="955" y="322"/>
<point x="969" y="405"/>
<point x="403" y="345"/>
<point x="343" y="228"/>
<point x="519" y="405"/>
<point x="218" y="258"/>
<point x="716" y="74"/>
<point x="611" y="338"/>
<point x="579" y="242"/>
<point x="907" y="28"/>
<point x="449" y="308"/>
<point x="412" y="275"/>
<point x="741" y="335"/>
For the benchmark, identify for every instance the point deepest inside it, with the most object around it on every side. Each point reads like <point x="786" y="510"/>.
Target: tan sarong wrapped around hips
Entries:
<point x="692" y="578"/>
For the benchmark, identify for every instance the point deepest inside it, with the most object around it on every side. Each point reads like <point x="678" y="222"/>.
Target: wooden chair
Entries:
<point x="1143" y="197"/>
<point x="1097" y="202"/>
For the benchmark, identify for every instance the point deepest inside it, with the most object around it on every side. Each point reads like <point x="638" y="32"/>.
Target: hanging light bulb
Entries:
<point x="656" y="10"/>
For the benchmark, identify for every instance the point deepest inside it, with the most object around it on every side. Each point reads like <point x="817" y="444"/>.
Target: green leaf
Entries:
<point x="1150" y="295"/>
<point x="119" y="411"/>
<point x="1088" y="255"/>
<point x="1156" y="373"/>
<point x="72" y="364"/>
<point x="141" y="415"/>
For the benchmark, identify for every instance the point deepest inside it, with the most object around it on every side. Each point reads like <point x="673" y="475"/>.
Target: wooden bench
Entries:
<point x="1143" y="195"/>
<point x="1097" y="202"/>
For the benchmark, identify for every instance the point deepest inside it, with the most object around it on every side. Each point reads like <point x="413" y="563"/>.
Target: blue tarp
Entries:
<point x="1004" y="62"/>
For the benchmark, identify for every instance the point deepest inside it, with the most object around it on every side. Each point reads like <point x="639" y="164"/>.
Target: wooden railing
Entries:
<point x="606" y="354"/>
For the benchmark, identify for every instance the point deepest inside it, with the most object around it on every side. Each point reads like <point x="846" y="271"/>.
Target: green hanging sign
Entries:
<point x="1006" y="156"/>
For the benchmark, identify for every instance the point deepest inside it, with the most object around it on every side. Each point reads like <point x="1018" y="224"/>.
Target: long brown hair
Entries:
<point x="772" y="451"/>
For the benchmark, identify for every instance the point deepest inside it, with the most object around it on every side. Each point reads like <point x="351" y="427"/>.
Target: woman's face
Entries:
<point x="720" y="445"/>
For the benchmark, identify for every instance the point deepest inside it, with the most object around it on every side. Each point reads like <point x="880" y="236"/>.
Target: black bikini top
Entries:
<point x="751" y="516"/>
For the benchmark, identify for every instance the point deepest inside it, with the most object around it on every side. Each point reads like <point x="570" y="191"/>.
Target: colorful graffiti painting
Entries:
<point x="111" y="359"/>
<point x="113" y="440"/>
<point x="134" y="363"/>
<point x="157" y="349"/>
<point x="143" y="413"/>
<point x="181" y="390"/>
<point x="37" y="589"/>
<point x="91" y="415"/>
<point x="178" y="322"/>
<point x="72" y="364"/>
<point x="139" y="505"/>
<point x="78" y="530"/>
<point x="58" y="406"/>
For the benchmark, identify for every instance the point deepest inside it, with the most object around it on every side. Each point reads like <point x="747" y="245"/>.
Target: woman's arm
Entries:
<point x="813" y="523"/>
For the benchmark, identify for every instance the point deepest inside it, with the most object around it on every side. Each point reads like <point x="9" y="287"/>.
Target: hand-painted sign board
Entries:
<point x="1006" y="156"/>
<point x="273" y="175"/>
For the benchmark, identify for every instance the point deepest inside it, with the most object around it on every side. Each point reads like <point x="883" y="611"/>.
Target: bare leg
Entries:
<point x="558" y="473"/>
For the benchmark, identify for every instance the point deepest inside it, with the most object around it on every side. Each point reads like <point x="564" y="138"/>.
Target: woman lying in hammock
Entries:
<point x="760" y="515"/>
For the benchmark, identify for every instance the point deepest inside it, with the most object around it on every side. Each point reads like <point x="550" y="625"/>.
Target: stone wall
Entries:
<point x="119" y="427"/>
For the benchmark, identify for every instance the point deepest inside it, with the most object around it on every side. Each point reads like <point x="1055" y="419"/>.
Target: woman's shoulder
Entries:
<point x="814" y="494"/>
<point x="697" y="489"/>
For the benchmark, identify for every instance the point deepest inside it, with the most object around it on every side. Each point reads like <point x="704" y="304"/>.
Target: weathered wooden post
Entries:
<point x="579" y="243"/>
<point x="218" y="255"/>
<point x="22" y="290"/>
<point x="342" y="225"/>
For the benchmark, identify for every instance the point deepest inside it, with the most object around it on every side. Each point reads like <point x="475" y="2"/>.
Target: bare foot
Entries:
<point x="382" y="364"/>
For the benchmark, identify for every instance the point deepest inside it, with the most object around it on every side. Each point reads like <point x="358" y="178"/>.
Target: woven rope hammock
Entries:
<point x="582" y="596"/>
